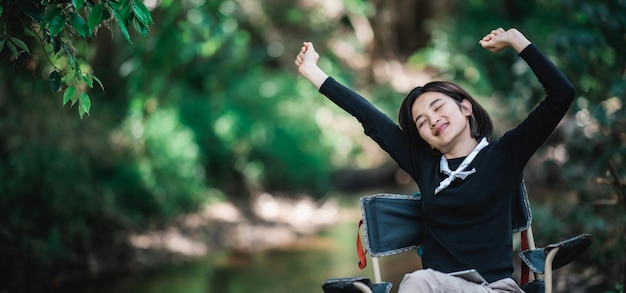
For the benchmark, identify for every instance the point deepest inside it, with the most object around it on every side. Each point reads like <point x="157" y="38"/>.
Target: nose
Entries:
<point x="434" y="123"/>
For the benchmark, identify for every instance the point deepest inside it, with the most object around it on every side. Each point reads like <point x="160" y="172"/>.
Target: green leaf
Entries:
<point x="124" y="9"/>
<point x="55" y="81"/>
<point x="120" y="20"/>
<point x="1" y="44"/>
<point x="79" y="24"/>
<point x="30" y="33"/>
<point x="50" y="15"/>
<point x="140" y="28"/>
<point x="87" y="78"/>
<point x="57" y="23"/>
<point x="97" y="80"/>
<point x="81" y="112"/>
<point x="85" y="103"/>
<point x="1" y="8"/>
<point x="74" y="100"/>
<point x="141" y="12"/>
<point x="19" y="43"/>
<point x="95" y="16"/>
<point x="13" y="49"/>
<point x="78" y="4"/>
<point x="68" y="94"/>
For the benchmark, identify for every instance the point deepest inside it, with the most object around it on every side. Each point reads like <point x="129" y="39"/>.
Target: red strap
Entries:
<point x="359" y="248"/>
<point x="525" y="271"/>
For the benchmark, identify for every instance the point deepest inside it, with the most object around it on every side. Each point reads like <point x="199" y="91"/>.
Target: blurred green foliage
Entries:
<point x="207" y="106"/>
<point x="57" y="28"/>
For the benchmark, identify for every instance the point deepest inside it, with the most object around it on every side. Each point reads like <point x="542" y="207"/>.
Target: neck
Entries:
<point x="461" y="149"/>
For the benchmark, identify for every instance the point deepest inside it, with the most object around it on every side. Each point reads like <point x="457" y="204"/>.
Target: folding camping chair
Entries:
<point x="392" y="224"/>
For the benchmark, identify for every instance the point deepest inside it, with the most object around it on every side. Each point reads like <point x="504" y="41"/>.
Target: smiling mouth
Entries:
<point x="441" y="128"/>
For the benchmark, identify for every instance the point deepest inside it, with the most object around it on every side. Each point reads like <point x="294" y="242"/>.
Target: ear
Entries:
<point x="466" y="107"/>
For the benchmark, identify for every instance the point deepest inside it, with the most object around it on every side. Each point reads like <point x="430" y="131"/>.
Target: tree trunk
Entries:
<point x="399" y="28"/>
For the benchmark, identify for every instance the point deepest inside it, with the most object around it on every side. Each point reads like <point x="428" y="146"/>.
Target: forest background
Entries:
<point x="121" y="120"/>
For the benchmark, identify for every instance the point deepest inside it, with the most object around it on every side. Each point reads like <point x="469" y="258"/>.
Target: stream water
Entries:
<point x="300" y="267"/>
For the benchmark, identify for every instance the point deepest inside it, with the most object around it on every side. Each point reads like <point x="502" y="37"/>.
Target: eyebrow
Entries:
<point x="430" y="106"/>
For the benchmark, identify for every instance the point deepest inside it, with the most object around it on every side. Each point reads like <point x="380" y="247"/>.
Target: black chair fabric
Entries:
<point x="346" y="285"/>
<point x="535" y="286"/>
<point x="569" y="250"/>
<point x="392" y="223"/>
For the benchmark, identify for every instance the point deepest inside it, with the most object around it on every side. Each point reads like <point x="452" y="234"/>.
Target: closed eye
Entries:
<point x="420" y="123"/>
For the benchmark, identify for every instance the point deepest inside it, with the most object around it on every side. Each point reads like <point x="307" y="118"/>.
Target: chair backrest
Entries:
<point x="392" y="223"/>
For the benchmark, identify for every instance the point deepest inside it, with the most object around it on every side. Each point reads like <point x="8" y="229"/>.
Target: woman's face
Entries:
<point x="440" y="120"/>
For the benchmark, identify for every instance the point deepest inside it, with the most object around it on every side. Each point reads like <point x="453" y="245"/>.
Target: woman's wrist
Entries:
<point x="518" y="41"/>
<point x="314" y="74"/>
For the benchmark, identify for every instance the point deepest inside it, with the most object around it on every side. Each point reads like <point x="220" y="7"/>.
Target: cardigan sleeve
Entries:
<point x="377" y="125"/>
<point x="524" y="140"/>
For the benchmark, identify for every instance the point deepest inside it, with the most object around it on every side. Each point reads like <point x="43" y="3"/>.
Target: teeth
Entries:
<point x="440" y="128"/>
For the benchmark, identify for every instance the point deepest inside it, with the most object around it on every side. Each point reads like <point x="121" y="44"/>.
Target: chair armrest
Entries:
<point x="364" y="288"/>
<point x="536" y="286"/>
<point x="569" y="250"/>
<point x="355" y="285"/>
<point x="382" y="287"/>
<point x="346" y="285"/>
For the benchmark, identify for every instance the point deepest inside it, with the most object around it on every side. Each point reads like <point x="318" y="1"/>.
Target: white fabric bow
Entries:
<point x="460" y="171"/>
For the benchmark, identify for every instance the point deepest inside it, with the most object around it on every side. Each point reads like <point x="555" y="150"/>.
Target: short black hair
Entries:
<point x="480" y="121"/>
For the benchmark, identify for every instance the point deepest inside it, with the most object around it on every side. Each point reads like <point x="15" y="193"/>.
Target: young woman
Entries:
<point x="466" y="182"/>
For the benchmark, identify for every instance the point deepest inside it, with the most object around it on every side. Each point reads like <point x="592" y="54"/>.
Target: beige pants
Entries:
<point x="428" y="280"/>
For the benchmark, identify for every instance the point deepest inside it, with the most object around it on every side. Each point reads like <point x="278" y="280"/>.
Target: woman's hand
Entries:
<point x="306" y="60"/>
<point x="499" y="39"/>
